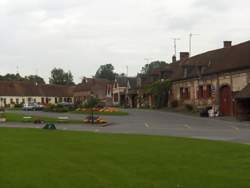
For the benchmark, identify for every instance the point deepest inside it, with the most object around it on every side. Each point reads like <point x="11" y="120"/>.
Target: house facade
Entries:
<point x="219" y="78"/>
<point x="213" y="78"/>
<point x="100" y="88"/>
<point x="16" y="93"/>
<point x="13" y="93"/>
<point x="119" y="91"/>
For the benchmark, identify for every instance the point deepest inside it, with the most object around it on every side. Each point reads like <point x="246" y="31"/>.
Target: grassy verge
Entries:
<point x="39" y="158"/>
<point x="105" y="113"/>
<point x="14" y="117"/>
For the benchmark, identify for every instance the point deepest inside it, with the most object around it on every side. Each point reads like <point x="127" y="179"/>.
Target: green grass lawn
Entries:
<point x="120" y="113"/>
<point x="15" y="117"/>
<point x="31" y="158"/>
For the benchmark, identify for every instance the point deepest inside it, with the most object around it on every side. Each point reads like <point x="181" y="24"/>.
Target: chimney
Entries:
<point x="184" y="56"/>
<point x="227" y="44"/>
<point x="173" y="59"/>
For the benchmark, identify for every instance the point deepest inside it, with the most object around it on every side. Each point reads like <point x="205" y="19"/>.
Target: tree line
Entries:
<point x="60" y="77"/>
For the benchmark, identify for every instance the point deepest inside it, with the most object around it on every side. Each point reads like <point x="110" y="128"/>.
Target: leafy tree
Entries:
<point x="148" y="68"/>
<point x="35" y="79"/>
<point x="106" y="72"/>
<point x="18" y="77"/>
<point x="59" y="77"/>
<point x="91" y="103"/>
<point x="12" y="77"/>
<point x="159" y="90"/>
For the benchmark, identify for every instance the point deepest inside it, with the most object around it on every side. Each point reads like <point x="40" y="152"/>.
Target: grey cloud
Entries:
<point x="81" y="34"/>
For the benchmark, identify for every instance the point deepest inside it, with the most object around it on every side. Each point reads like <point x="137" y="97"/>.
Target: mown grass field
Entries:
<point x="119" y="113"/>
<point x="31" y="158"/>
<point x="15" y="117"/>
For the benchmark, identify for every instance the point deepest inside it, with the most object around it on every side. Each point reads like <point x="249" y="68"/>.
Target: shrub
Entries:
<point x="189" y="107"/>
<point x="174" y="104"/>
<point x="18" y="105"/>
<point x="61" y="109"/>
<point x="57" y="108"/>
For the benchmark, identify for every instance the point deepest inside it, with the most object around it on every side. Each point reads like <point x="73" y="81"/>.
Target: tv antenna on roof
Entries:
<point x="17" y="69"/>
<point x="190" y="42"/>
<point x="175" y="45"/>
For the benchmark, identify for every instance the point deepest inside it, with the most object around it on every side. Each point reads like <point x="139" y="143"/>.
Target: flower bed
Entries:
<point x="105" y="109"/>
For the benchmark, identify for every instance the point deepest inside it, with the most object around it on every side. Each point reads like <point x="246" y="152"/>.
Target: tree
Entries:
<point x="148" y="68"/>
<point x="106" y="72"/>
<point x="35" y="79"/>
<point x="91" y="103"/>
<point x="12" y="77"/>
<point x="59" y="77"/>
<point x="159" y="90"/>
<point x="18" y="77"/>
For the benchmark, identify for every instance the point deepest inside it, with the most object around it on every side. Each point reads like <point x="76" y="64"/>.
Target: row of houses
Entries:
<point x="218" y="78"/>
<point x="14" y="93"/>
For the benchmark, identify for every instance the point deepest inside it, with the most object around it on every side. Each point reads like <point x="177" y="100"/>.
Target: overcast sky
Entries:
<point x="80" y="35"/>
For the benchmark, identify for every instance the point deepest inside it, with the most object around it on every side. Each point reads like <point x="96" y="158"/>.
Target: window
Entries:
<point x="187" y="93"/>
<point x="181" y="92"/>
<point x="11" y="101"/>
<point x="17" y="101"/>
<point x="209" y="91"/>
<point x="200" y="92"/>
<point x="116" y="97"/>
<point x="184" y="93"/>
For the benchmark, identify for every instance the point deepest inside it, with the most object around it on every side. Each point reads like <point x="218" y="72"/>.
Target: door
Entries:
<point x="226" y="101"/>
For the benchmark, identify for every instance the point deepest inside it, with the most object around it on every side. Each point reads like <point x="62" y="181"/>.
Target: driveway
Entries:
<point x="151" y="122"/>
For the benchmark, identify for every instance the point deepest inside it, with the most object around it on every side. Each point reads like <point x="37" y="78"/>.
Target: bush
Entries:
<point x="18" y="105"/>
<point x="189" y="107"/>
<point x="61" y="109"/>
<point x="174" y="104"/>
<point x="57" y="108"/>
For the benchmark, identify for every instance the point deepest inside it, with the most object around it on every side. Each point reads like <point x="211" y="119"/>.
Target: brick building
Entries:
<point x="212" y="78"/>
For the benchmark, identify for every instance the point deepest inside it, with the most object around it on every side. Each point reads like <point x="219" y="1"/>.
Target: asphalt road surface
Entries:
<point x="149" y="122"/>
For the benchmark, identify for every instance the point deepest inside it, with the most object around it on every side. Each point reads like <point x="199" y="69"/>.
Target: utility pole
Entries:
<point x="17" y="69"/>
<point x="190" y="42"/>
<point x="175" y="45"/>
<point x="127" y="70"/>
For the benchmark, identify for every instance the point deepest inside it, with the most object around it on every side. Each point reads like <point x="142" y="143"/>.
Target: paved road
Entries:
<point x="159" y="123"/>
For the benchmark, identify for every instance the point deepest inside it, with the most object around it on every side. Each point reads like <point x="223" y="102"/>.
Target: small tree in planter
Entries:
<point x="90" y="104"/>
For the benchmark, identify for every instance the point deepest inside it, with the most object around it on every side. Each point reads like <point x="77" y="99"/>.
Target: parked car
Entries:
<point x="32" y="107"/>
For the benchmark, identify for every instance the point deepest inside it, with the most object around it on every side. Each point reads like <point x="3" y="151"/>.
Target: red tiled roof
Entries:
<point x="222" y="60"/>
<point x="18" y="88"/>
<point x="92" y="85"/>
